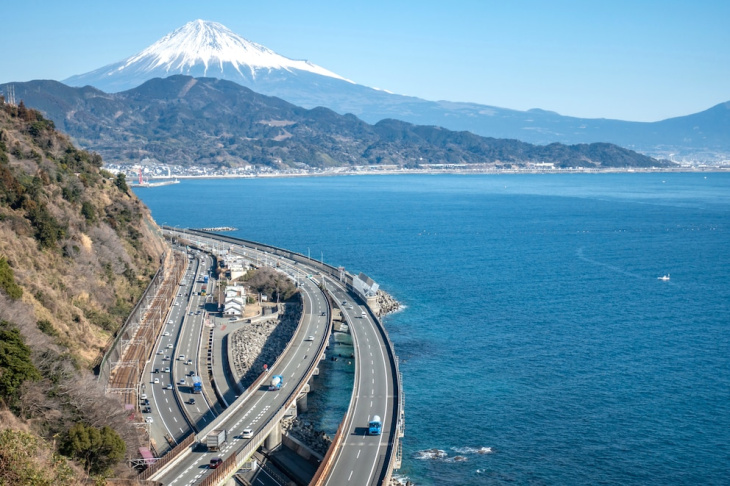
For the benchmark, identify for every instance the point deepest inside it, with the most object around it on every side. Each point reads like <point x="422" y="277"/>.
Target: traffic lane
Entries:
<point x="156" y="411"/>
<point x="171" y="419"/>
<point x="199" y="412"/>
<point x="265" y="404"/>
<point x="360" y="453"/>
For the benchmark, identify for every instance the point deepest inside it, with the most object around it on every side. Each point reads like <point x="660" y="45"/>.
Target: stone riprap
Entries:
<point x="260" y="343"/>
<point x="303" y="430"/>
<point x="386" y="303"/>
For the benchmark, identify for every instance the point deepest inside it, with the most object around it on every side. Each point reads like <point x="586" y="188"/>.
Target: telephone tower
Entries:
<point x="11" y="95"/>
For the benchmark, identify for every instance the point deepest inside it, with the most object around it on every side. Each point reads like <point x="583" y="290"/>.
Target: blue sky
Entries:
<point x="638" y="60"/>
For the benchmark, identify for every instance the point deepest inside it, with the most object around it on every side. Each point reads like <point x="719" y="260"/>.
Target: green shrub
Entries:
<point x="15" y="364"/>
<point x="47" y="328"/>
<point x="7" y="280"/>
<point x="98" y="448"/>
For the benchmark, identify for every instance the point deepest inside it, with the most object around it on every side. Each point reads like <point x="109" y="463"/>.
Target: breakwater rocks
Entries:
<point x="303" y="430"/>
<point x="386" y="303"/>
<point x="260" y="343"/>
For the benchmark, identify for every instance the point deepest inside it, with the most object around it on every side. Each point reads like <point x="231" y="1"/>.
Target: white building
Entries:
<point x="235" y="301"/>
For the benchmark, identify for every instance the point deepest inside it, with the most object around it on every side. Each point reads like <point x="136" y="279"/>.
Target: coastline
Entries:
<point x="474" y="171"/>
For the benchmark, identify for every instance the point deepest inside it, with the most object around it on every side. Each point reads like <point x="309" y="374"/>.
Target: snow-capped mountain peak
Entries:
<point x="213" y="45"/>
<point x="202" y="48"/>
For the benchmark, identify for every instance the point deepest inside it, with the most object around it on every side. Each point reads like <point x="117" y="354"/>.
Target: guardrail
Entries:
<point x="230" y="465"/>
<point x="334" y="273"/>
<point x="165" y="460"/>
<point x="258" y="438"/>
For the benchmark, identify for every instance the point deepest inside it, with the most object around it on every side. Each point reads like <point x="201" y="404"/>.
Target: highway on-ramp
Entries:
<point x="254" y="409"/>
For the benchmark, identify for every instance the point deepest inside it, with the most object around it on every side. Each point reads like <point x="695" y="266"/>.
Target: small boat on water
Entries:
<point x="663" y="277"/>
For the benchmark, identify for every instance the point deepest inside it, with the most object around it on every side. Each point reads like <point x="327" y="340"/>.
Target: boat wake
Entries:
<point x="580" y="255"/>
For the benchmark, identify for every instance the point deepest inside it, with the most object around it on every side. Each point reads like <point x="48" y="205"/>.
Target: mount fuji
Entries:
<point x="201" y="49"/>
<point x="208" y="49"/>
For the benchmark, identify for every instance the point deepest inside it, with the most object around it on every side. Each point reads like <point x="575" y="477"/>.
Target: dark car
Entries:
<point x="215" y="462"/>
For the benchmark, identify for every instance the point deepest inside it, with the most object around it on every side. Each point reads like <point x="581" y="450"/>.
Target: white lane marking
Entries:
<point x="358" y="454"/>
<point x="350" y="476"/>
<point x="174" y="418"/>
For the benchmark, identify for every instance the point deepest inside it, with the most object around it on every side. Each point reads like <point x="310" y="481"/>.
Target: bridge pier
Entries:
<point x="273" y="440"/>
<point x="302" y="399"/>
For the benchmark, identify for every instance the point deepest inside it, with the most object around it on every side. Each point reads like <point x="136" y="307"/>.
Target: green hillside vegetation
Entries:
<point x="204" y="121"/>
<point x="77" y="249"/>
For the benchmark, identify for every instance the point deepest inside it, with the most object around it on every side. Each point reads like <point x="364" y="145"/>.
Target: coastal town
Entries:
<point x="152" y="172"/>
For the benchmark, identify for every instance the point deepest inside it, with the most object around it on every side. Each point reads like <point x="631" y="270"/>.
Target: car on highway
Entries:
<point x="166" y="333"/>
<point x="148" y="420"/>
<point x="160" y="352"/>
<point x="181" y="357"/>
<point x="166" y="370"/>
<point x="189" y="362"/>
<point x="143" y="397"/>
<point x="169" y="346"/>
<point x="323" y="313"/>
<point x="169" y="386"/>
<point x="192" y="401"/>
<point x="156" y="380"/>
<point x="147" y="410"/>
<point x="215" y="462"/>
<point x="247" y="433"/>
<point x="181" y="381"/>
<point x="309" y="338"/>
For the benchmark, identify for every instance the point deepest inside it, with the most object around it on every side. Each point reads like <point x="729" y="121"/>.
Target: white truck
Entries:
<point x="215" y="439"/>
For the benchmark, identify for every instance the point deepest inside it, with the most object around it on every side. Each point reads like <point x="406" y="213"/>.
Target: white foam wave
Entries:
<point x="473" y="450"/>
<point x="431" y="454"/>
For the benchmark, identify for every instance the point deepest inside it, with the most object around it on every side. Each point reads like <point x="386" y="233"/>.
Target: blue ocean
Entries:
<point x="537" y="343"/>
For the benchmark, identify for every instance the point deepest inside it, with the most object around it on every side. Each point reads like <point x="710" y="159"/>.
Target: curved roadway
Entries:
<point x="255" y="408"/>
<point x="361" y="457"/>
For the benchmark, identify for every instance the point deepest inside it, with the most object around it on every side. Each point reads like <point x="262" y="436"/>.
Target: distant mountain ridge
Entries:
<point x="202" y="48"/>
<point x="184" y="120"/>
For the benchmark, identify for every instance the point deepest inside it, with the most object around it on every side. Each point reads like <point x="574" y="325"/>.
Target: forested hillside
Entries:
<point x="204" y="121"/>
<point x="77" y="249"/>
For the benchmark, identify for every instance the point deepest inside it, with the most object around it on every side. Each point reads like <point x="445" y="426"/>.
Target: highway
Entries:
<point x="361" y="457"/>
<point x="164" y="401"/>
<point x="256" y="407"/>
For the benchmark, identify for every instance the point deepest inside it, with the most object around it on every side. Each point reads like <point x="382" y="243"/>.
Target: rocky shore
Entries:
<point x="386" y="303"/>
<point x="260" y="343"/>
<point x="303" y="430"/>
